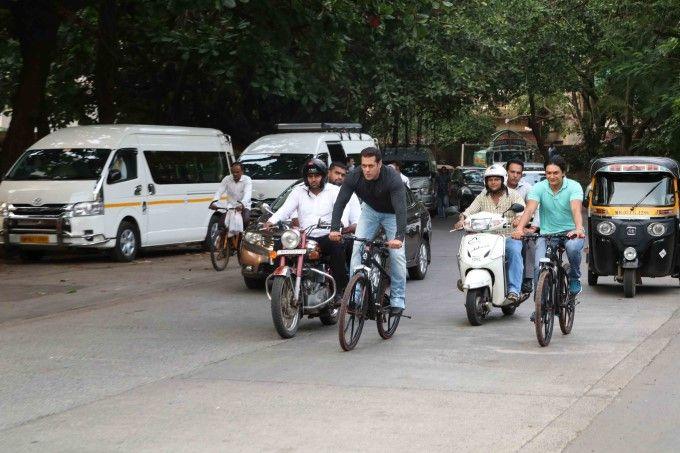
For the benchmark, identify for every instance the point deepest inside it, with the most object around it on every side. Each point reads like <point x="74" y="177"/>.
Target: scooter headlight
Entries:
<point x="630" y="254"/>
<point x="656" y="229"/>
<point x="290" y="239"/>
<point x="606" y="228"/>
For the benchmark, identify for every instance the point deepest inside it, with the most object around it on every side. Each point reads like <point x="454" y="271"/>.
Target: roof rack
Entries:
<point x="319" y="127"/>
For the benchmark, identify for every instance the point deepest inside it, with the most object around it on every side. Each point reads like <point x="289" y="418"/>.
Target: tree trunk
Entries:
<point x="105" y="64"/>
<point x="395" y="127"/>
<point x="419" y="127"/>
<point x="36" y="24"/>
<point x="535" y="125"/>
<point x="407" y="128"/>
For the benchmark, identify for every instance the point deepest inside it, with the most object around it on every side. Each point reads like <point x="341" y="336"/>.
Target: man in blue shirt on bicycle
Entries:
<point x="559" y="200"/>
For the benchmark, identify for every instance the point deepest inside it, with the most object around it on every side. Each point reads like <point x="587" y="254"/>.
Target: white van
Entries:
<point x="275" y="161"/>
<point x="118" y="187"/>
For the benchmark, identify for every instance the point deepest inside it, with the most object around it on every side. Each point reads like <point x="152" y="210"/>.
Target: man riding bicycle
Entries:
<point x="559" y="200"/>
<point x="384" y="197"/>
<point x="497" y="198"/>
<point x="313" y="203"/>
<point x="237" y="188"/>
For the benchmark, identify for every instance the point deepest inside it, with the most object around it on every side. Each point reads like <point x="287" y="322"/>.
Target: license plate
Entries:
<point x="34" y="239"/>
<point x="292" y="252"/>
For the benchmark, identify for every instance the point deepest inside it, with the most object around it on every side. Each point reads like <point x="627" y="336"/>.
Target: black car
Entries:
<point x="256" y="244"/>
<point x="466" y="184"/>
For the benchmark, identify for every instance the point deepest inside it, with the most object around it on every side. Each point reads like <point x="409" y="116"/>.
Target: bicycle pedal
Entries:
<point x="405" y="316"/>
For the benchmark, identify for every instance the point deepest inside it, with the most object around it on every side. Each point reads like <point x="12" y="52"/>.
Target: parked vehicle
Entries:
<point x="419" y="165"/>
<point x="255" y="248"/>
<point x="633" y="220"/>
<point x="274" y="161"/>
<point x="504" y="145"/>
<point x="466" y="184"/>
<point x="301" y="284"/>
<point x="113" y="187"/>
<point x="533" y="177"/>
<point x="481" y="262"/>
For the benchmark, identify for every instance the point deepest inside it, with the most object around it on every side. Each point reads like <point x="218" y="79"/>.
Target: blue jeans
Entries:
<point x="369" y="222"/>
<point x="573" y="248"/>
<point x="442" y="204"/>
<point x="513" y="253"/>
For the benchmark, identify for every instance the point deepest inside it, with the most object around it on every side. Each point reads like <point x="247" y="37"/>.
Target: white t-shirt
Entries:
<point x="236" y="191"/>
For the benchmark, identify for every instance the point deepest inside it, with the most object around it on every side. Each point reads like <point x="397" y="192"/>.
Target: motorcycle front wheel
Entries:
<point x="285" y="314"/>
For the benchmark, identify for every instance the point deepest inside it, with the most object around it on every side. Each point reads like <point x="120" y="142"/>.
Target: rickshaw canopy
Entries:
<point x="635" y="164"/>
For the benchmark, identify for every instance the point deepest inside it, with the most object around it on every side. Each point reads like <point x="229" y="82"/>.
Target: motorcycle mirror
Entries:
<point x="516" y="208"/>
<point x="267" y="208"/>
<point x="452" y="210"/>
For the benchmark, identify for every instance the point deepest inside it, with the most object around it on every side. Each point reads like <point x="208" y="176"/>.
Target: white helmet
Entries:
<point x="496" y="170"/>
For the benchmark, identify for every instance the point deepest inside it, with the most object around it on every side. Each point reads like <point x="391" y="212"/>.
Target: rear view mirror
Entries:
<point x="267" y="208"/>
<point x="516" y="208"/>
<point x="114" y="176"/>
<point x="452" y="211"/>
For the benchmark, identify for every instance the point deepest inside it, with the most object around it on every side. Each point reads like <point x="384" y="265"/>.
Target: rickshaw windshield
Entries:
<point x="627" y="189"/>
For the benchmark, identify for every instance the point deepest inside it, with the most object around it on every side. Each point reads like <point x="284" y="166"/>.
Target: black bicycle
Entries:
<point x="552" y="290"/>
<point x="367" y="296"/>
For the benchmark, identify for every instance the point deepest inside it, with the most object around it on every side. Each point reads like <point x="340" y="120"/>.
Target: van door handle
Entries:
<point x="151" y="188"/>
<point x="138" y="190"/>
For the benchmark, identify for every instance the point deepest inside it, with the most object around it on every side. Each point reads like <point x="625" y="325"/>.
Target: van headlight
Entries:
<point x="290" y="239"/>
<point x="4" y="210"/>
<point x="87" y="208"/>
<point x="656" y="229"/>
<point x="630" y="253"/>
<point x="605" y="228"/>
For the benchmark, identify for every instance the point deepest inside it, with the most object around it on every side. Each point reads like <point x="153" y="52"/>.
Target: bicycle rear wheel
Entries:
<point x="220" y="249"/>
<point x="545" y="308"/>
<point x="567" y="304"/>
<point x="387" y="324"/>
<point x="353" y="311"/>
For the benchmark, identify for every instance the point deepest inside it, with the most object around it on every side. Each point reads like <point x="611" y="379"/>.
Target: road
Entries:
<point x="166" y="354"/>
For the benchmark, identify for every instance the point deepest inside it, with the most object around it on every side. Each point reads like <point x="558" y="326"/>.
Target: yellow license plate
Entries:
<point x="34" y="239"/>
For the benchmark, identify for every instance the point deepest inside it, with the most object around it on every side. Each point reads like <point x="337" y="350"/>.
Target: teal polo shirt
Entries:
<point x="555" y="208"/>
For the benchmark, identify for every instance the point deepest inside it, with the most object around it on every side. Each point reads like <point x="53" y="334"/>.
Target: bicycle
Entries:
<point x="552" y="290"/>
<point x="221" y="246"/>
<point x="367" y="296"/>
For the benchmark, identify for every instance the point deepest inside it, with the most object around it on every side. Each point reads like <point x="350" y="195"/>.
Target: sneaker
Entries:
<point x="575" y="287"/>
<point x="527" y="285"/>
<point x="511" y="298"/>
<point x="396" y="311"/>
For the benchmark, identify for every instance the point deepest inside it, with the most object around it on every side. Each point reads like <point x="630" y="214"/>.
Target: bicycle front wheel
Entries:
<point x="567" y="307"/>
<point x="353" y="311"/>
<point x="220" y="249"/>
<point x="545" y="308"/>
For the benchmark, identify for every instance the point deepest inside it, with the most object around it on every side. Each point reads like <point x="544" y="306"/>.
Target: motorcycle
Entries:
<point x="301" y="285"/>
<point x="481" y="261"/>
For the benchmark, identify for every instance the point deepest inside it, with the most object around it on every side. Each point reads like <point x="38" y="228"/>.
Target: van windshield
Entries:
<point x="274" y="166"/>
<point x="626" y="189"/>
<point x="66" y="164"/>
<point x="416" y="168"/>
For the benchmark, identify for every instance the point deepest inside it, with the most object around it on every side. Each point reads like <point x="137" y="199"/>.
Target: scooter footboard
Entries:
<point x="477" y="278"/>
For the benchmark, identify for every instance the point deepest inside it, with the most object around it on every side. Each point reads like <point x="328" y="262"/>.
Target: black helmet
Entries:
<point x="315" y="167"/>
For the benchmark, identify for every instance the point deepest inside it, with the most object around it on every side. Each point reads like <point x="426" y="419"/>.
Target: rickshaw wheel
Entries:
<point x="592" y="278"/>
<point x="629" y="283"/>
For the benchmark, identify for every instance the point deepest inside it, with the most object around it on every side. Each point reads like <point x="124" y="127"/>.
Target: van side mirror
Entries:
<point x="516" y="208"/>
<point x="114" y="176"/>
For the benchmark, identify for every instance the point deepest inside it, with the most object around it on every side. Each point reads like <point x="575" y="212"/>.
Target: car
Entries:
<point x="254" y="249"/>
<point x="466" y="184"/>
<point x="533" y="177"/>
<point x="419" y="165"/>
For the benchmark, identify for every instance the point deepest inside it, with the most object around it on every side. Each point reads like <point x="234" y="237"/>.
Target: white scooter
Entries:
<point x="481" y="261"/>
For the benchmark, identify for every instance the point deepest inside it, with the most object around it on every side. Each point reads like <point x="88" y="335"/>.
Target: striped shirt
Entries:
<point x="484" y="203"/>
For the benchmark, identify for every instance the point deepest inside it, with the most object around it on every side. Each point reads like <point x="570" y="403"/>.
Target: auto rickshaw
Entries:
<point x="633" y="213"/>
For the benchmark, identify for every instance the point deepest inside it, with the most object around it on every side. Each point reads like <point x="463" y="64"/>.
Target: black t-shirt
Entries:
<point x="384" y="194"/>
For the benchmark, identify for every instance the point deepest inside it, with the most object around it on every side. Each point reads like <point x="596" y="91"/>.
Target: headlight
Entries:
<point x="4" y="210"/>
<point x="656" y="229"/>
<point x="253" y="238"/>
<point x="630" y="254"/>
<point x="605" y="228"/>
<point x="88" y="208"/>
<point x="290" y="239"/>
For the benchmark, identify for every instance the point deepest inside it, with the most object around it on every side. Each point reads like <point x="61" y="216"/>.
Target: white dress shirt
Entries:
<point x="353" y="210"/>
<point x="406" y="180"/>
<point x="310" y="208"/>
<point x="236" y="191"/>
<point x="523" y="189"/>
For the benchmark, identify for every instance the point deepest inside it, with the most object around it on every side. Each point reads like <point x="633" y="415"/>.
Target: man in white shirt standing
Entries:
<point x="396" y="165"/>
<point x="238" y="188"/>
<point x="314" y="202"/>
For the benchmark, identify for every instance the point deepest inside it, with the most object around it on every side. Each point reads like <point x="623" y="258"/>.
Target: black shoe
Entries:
<point x="396" y="311"/>
<point x="527" y="285"/>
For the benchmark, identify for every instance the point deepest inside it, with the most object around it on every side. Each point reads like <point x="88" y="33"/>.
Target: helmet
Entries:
<point x="314" y="167"/>
<point x="496" y="170"/>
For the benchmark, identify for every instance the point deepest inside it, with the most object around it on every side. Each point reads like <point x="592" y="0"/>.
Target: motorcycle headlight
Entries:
<point x="87" y="208"/>
<point x="252" y="237"/>
<point x="630" y="254"/>
<point x="290" y="239"/>
<point x="4" y="210"/>
<point x="656" y="229"/>
<point x="605" y="228"/>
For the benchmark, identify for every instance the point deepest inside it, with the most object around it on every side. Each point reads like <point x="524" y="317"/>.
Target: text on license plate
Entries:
<point x="34" y="239"/>
<point x="292" y="252"/>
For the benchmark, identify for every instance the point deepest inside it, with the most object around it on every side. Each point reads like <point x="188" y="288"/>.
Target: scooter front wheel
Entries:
<point x="475" y="305"/>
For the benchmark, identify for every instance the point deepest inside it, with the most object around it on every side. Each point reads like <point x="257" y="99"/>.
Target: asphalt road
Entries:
<point x="166" y="354"/>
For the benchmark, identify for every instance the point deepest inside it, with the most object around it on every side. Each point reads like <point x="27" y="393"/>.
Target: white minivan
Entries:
<point x="117" y="187"/>
<point x="275" y="161"/>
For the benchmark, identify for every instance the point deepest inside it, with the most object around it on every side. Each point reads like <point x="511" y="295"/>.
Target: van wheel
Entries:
<point x="127" y="243"/>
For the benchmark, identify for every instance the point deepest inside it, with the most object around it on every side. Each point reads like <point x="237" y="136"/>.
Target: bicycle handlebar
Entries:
<point x="373" y="243"/>
<point x="535" y="236"/>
